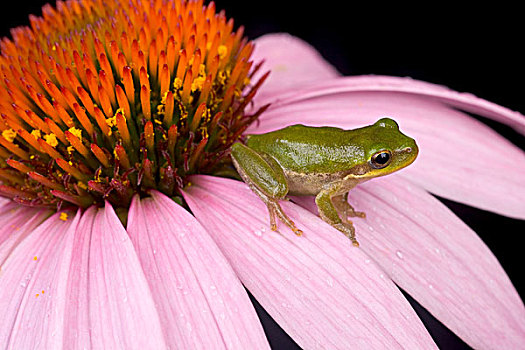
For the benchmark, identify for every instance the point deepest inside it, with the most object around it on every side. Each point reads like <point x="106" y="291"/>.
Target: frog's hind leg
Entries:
<point x="266" y="178"/>
<point x="344" y="208"/>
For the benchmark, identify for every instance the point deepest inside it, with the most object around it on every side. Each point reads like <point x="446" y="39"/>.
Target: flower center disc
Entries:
<point x="101" y="100"/>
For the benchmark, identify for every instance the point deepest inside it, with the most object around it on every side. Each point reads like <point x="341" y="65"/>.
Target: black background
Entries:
<point x="476" y="49"/>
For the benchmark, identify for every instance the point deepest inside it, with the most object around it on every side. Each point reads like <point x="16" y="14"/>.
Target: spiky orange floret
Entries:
<point x="102" y="99"/>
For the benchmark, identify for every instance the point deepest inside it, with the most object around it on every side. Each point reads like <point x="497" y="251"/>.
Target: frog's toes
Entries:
<point x="297" y="231"/>
<point x="351" y="212"/>
<point x="348" y="230"/>
<point x="275" y="210"/>
<point x="359" y="214"/>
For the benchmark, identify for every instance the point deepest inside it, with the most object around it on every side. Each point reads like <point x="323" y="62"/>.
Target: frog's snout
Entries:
<point x="410" y="152"/>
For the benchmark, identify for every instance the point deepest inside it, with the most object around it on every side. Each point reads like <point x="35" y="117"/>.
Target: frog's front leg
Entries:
<point x="329" y="213"/>
<point x="266" y="178"/>
<point x="344" y="208"/>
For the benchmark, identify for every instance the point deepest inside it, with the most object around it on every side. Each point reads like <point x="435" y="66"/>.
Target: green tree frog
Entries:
<point x="326" y="162"/>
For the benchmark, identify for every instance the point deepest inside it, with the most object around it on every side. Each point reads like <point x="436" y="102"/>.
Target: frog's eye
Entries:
<point x="381" y="159"/>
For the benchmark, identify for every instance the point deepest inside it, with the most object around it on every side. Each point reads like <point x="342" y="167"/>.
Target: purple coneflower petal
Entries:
<point x="109" y="303"/>
<point x="318" y="287"/>
<point x="291" y="61"/>
<point x="439" y="261"/>
<point x="201" y="302"/>
<point x="294" y="80"/>
<point x="32" y="285"/>
<point x="17" y="222"/>
<point x="460" y="158"/>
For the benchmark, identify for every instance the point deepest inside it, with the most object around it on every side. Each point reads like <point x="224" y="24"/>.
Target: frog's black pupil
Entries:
<point x="382" y="158"/>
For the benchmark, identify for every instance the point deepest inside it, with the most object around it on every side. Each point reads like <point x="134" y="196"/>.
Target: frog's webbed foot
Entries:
<point x="344" y="209"/>
<point x="347" y="228"/>
<point x="275" y="210"/>
<point x="335" y="211"/>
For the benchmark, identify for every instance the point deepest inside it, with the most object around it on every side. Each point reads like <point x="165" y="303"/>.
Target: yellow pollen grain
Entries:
<point x="70" y="150"/>
<point x="121" y="111"/>
<point x="111" y="122"/>
<point x="222" y="50"/>
<point x="161" y="108"/>
<point x="222" y="77"/>
<point x="82" y="185"/>
<point x="177" y="83"/>
<point x="63" y="216"/>
<point x="204" y="132"/>
<point x="51" y="140"/>
<point x="76" y="132"/>
<point x="9" y="135"/>
<point x="35" y="258"/>
<point x="202" y="70"/>
<point x="36" y="134"/>
<point x="164" y="97"/>
<point x="197" y="83"/>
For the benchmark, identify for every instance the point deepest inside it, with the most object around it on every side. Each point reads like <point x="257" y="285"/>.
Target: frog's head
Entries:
<point x="387" y="149"/>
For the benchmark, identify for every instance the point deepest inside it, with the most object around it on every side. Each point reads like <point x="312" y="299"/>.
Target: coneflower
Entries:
<point x="104" y="100"/>
<point x="119" y="230"/>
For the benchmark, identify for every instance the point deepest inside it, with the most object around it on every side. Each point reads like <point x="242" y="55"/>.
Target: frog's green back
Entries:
<point x="306" y="149"/>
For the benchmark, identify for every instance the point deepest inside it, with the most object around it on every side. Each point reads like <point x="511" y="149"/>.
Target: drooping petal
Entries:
<point x="109" y="303"/>
<point x="300" y="73"/>
<point x="201" y="302"/>
<point x="439" y="260"/>
<point x="32" y="282"/>
<point x="292" y="62"/>
<point x="460" y="158"/>
<point x="377" y="84"/>
<point x="320" y="289"/>
<point x="17" y="222"/>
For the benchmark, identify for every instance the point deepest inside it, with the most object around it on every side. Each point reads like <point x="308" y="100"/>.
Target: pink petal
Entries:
<point x="32" y="284"/>
<point x="300" y="73"/>
<point x="292" y="62"/>
<point x="110" y="305"/>
<point x="438" y="260"/>
<point x="77" y="334"/>
<point x="463" y="101"/>
<point x="201" y="302"/>
<point x="320" y="289"/>
<point x="460" y="158"/>
<point x="17" y="222"/>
